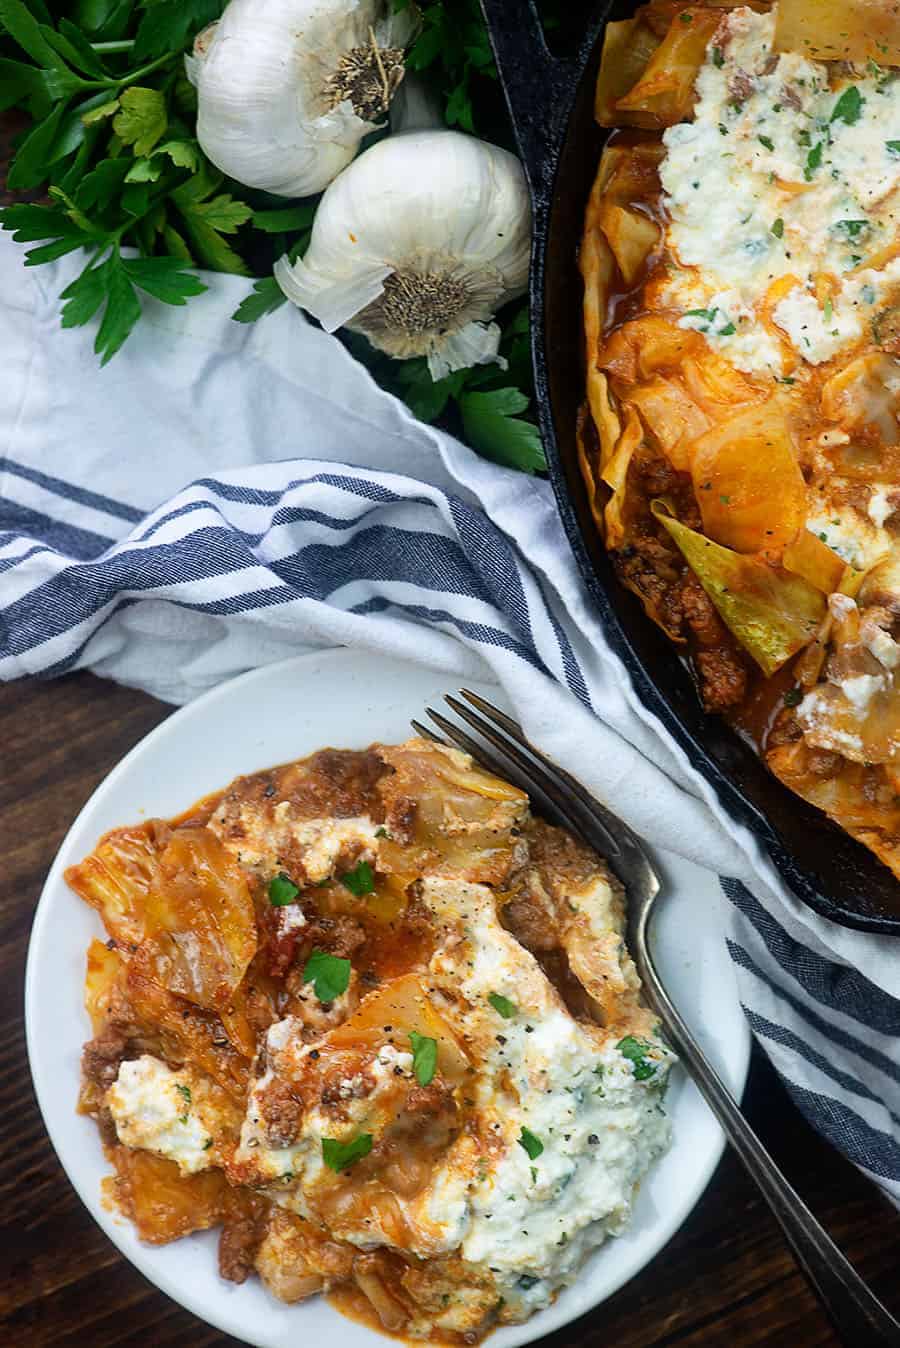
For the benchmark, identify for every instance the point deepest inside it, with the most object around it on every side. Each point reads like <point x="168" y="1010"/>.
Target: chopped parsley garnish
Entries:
<point x="207" y="1144"/>
<point x="727" y="331"/>
<point x="328" y="974"/>
<point x="359" y="881"/>
<point x="787" y="379"/>
<point x="339" y="1155"/>
<point x="425" y="1052"/>
<point x="502" y="1005"/>
<point x="184" y="1092"/>
<point x="533" y="1145"/>
<point x="778" y="228"/>
<point x="893" y="146"/>
<point x="852" y="228"/>
<point x="533" y="1170"/>
<point x="848" y="107"/>
<point x="828" y="311"/>
<point x="382" y="832"/>
<point x="282" y="890"/>
<point x="813" y="160"/>
<point x="793" y="697"/>
<point x="766" y="142"/>
<point x="717" y="56"/>
<point x="636" y="1050"/>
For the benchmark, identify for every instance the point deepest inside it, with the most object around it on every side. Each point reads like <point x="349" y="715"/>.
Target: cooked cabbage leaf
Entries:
<point x="771" y="613"/>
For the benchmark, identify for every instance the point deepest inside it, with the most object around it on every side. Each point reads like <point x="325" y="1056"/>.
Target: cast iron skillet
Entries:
<point x="551" y="105"/>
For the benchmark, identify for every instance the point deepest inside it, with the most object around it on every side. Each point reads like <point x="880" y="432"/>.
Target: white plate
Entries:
<point x="346" y="699"/>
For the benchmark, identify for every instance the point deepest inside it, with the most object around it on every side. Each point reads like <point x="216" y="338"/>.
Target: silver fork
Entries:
<point x="856" y="1313"/>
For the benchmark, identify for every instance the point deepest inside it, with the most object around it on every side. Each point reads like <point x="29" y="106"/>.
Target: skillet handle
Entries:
<point x="539" y="87"/>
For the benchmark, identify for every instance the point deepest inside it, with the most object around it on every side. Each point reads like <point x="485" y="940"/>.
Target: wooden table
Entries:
<point x="726" y="1278"/>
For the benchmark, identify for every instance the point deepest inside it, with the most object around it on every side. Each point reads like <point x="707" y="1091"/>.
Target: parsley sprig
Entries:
<point x="112" y="154"/>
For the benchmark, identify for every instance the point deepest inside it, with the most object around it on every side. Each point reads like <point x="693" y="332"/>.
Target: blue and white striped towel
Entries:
<point x="164" y="522"/>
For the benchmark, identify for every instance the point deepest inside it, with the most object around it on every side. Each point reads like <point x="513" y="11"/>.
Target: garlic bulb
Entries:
<point x="287" y="89"/>
<point x="416" y="245"/>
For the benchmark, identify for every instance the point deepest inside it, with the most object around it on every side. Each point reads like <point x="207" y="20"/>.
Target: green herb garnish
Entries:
<point x="778" y="228"/>
<point x="184" y="1092"/>
<point x="813" y="160"/>
<point x="766" y="142"/>
<point x="339" y="1156"/>
<point x="282" y="890"/>
<point x="636" y="1050"/>
<point x="360" y="881"/>
<point x="502" y="1005"/>
<point x="425" y="1053"/>
<point x="329" y="975"/>
<point x="793" y="697"/>
<point x="848" y="107"/>
<point x="533" y="1145"/>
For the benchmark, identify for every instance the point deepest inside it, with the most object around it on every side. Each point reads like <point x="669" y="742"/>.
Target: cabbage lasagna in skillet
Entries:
<point x="741" y="259"/>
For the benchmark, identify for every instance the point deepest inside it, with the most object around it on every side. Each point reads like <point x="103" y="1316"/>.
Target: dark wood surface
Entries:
<point x="726" y="1277"/>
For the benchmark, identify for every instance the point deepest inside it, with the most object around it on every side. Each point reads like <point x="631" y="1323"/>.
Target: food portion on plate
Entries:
<point x="376" y="1021"/>
<point x="740" y="440"/>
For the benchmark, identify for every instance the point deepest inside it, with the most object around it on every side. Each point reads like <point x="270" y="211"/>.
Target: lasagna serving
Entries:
<point x="740" y="441"/>
<point x="375" y="1021"/>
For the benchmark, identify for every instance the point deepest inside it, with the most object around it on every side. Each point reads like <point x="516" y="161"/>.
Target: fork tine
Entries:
<point x="589" y="802"/>
<point x="427" y="734"/>
<point x="584" y="820"/>
<point x="504" y="768"/>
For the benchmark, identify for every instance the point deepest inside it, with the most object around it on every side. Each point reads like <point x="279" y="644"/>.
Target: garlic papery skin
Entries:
<point x="287" y="89"/>
<point x="417" y="244"/>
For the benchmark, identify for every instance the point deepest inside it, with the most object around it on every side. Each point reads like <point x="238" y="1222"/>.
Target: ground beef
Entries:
<point x="238" y="1245"/>
<point x="823" y="763"/>
<point x="741" y="86"/>
<point x="437" y="1098"/>
<point x="531" y="925"/>
<point x="699" y="612"/>
<point x="282" y="1112"/>
<point x="102" y="1057"/>
<point x="339" y="936"/>
<point x="723" y="678"/>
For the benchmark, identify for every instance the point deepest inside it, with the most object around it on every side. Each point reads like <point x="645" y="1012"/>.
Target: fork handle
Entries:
<point x="856" y="1313"/>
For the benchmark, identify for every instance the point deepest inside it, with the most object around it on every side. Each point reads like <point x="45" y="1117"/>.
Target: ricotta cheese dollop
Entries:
<point x="782" y="194"/>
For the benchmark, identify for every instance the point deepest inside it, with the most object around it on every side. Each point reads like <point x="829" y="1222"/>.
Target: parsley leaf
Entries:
<point x="793" y="697"/>
<point x="635" y="1050"/>
<point x="502" y="1005"/>
<point x="184" y="1092"/>
<point x="893" y="146"/>
<point x="329" y="975"/>
<point x="167" y="24"/>
<point x="359" y="881"/>
<point x="848" y="107"/>
<point x="425" y="1053"/>
<point x="778" y="228"/>
<point x="141" y="120"/>
<point x="533" y="1145"/>
<point x="265" y="298"/>
<point x="813" y="160"/>
<point x="766" y="142"/>
<point x="491" y="425"/>
<point x="282" y="890"/>
<point x="852" y="228"/>
<point x="339" y="1156"/>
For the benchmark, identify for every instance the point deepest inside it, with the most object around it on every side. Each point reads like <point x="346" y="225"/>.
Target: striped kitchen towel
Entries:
<point x="200" y="507"/>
